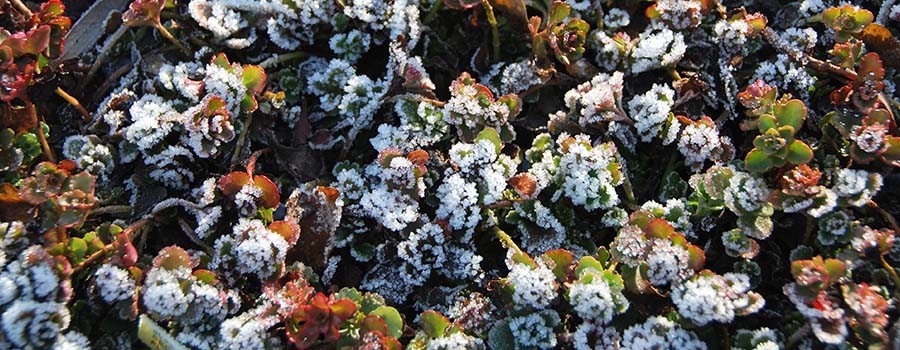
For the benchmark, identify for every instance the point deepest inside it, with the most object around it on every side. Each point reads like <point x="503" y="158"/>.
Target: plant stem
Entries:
<point x="893" y="273"/>
<point x="279" y="59"/>
<point x="188" y="231"/>
<point x="629" y="192"/>
<point x="251" y="163"/>
<point x="506" y="240"/>
<point x="798" y="335"/>
<point x="886" y="216"/>
<point x="432" y="12"/>
<point x="804" y="59"/>
<point x="74" y="102"/>
<point x="22" y="8"/>
<point x="104" y="52"/>
<point x="130" y="230"/>
<point x="165" y="33"/>
<point x="240" y="142"/>
<point x="48" y="152"/>
<point x="495" y="33"/>
<point x="112" y="209"/>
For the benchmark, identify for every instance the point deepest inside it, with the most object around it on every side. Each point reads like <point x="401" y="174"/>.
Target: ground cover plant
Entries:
<point x="449" y="174"/>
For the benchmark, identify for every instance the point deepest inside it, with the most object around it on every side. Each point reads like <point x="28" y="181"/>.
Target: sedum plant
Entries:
<point x="778" y="121"/>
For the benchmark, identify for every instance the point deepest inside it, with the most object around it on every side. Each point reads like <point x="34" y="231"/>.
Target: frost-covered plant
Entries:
<point x="747" y="196"/>
<point x="651" y="112"/>
<point x="800" y="191"/>
<point x="34" y="291"/>
<point x="700" y="142"/>
<point x="597" y="101"/>
<point x="472" y="108"/>
<point x="678" y="14"/>
<point x="253" y="249"/>
<point x="596" y="294"/>
<point x="564" y="34"/>
<point x="586" y="174"/>
<point x="658" y="332"/>
<point x="756" y="339"/>
<point x="90" y="155"/>
<point x="288" y="24"/>
<point x="657" y="47"/>
<point x="17" y="152"/>
<point x="709" y="297"/>
<point x="654" y="253"/>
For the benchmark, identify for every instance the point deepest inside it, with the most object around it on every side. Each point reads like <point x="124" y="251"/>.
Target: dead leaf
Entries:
<point x="318" y="212"/>
<point x="880" y="39"/>
<point x="302" y="162"/>
<point x="515" y="13"/>
<point x="12" y="206"/>
<point x="88" y="30"/>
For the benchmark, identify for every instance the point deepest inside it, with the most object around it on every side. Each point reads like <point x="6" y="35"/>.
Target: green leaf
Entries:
<point x="392" y="317"/>
<point x="757" y="161"/>
<point x="78" y="248"/>
<point x="766" y="122"/>
<point x="799" y="152"/>
<point x="835" y="268"/>
<point x="603" y="255"/>
<point x="588" y="263"/>
<point x="792" y="112"/>
<point x="562" y="259"/>
<point x="434" y="324"/>
<point x="559" y="11"/>
<point x="491" y="135"/>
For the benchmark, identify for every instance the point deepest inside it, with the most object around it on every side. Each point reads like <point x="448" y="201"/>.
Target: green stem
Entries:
<point x="432" y="12"/>
<point x="505" y="239"/>
<point x="240" y="142"/>
<point x="629" y="192"/>
<point x="495" y="33"/>
<point x="165" y="33"/>
<point x="277" y="60"/>
<point x="893" y="273"/>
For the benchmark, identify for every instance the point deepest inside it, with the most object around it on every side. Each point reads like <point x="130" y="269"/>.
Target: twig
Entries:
<point x="112" y="209"/>
<point x="251" y="162"/>
<point x="804" y="59"/>
<point x="417" y="98"/>
<point x="104" y="52"/>
<point x="893" y="273"/>
<point x="48" y="152"/>
<point x="129" y="231"/>
<point x="174" y="202"/>
<point x="797" y="336"/>
<point x="277" y="60"/>
<point x="885" y="215"/>
<point x="113" y="78"/>
<point x="74" y="102"/>
<point x="629" y="192"/>
<point x="22" y="8"/>
<point x="188" y="231"/>
<point x="503" y="204"/>
<point x="495" y="33"/>
<point x="884" y="11"/>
